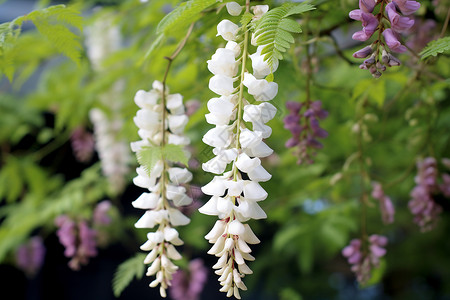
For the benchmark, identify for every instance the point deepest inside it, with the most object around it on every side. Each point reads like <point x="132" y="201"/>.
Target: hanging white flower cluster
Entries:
<point x="237" y="139"/>
<point x="102" y="39"/>
<point x="112" y="150"/>
<point x="159" y="125"/>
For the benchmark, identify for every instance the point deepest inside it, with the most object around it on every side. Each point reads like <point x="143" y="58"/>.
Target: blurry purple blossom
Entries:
<point x="83" y="144"/>
<point x="101" y="216"/>
<point x="192" y="106"/>
<point x="303" y="122"/>
<point x="362" y="259"/>
<point x="30" y="256"/>
<point x="78" y="239"/>
<point x="386" y="206"/>
<point x="422" y="205"/>
<point x="421" y="34"/>
<point x="188" y="285"/>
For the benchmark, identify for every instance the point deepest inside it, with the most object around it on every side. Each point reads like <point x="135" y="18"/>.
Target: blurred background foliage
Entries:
<point x="379" y="126"/>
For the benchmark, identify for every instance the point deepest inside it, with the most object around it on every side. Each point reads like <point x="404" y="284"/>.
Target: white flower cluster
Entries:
<point x="113" y="151"/>
<point x="163" y="182"/>
<point x="235" y="191"/>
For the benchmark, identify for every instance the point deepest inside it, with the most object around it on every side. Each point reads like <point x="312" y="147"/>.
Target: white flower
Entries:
<point x="221" y="85"/>
<point x="147" y="119"/>
<point x="254" y="191"/>
<point x="261" y="89"/>
<point x="175" y="104"/>
<point x="179" y="175"/>
<point x="215" y="187"/>
<point x="223" y="62"/>
<point x="234" y="8"/>
<point x="178" y="195"/>
<point x="146" y="201"/>
<point x="260" y="67"/>
<point x="259" y="150"/>
<point x="217" y="137"/>
<point x="177" y="123"/>
<point x="249" y="138"/>
<point x="260" y="10"/>
<point x="145" y="99"/>
<point x="227" y="29"/>
<point x="232" y="45"/>
<point x="221" y="110"/>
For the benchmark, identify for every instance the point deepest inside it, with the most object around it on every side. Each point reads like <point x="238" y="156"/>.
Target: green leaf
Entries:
<point x="126" y="271"/>
<point x="148" y="157"/>
<point x="183" y="15"/>
<point x="435" y="47"/>
<point x="273" y="30"/>
<point x="54" y="23"/>
<point x="175" y="153"/>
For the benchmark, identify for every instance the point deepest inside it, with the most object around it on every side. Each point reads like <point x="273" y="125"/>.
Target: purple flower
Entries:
<point x="392" y="41"/>
<point x="188" y="285"/>
<point x="192" y="106"/>
<point x="30" y="256"/>
<point x="78" y="239"/>
<point x="398" y="23"/>
<point x="83" y="144"/>
<point x="367" y="5"/>
<point x="305" y="128"/>
<point x="363" y="53"/>
<point x="422" y="205"/>
<point x="407" y="7"/>
<point x="445" y="186"/>
<point x="370" y="24"/>
<point x="101" y="216"/>
<point x="386" y="206"/>
<point x="362" y="262"/>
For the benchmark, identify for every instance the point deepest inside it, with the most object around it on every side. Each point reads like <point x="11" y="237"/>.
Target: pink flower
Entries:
<point x="83" y="144"/>
<point x="101" y="216"/>
<point x="392" y="41"/>
<point x="398" y="23"/>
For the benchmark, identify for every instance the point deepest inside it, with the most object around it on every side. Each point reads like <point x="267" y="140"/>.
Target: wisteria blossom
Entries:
<point x="237" y="139"/>
<point x="386" y="207"/>
<point x="364" y="256"/>
<point x="303" y="122"/>
<point x="30" y="256"/>
<point x="161" y="120"/>
<point x="188" y="284"/>
<point x="78" y="239"/>
<point x="390" y="22"/>
<point x="83" y="144"/>
<point x="422" y="204"/>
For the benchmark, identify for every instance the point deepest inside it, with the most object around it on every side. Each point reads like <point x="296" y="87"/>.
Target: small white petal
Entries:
<point x="178" y="139"/>
<point x="216" y="231"/>
<point x="174" y="102"/>
<point x="260" y="150"/>
<point x="259" y="174"/>
<point x="179" y="175"/>
<point x="231" y="45"/>
<point x="249" y="139"/>
<point x="234" y="187"/>
<point x="218" y="137"/>
<point x="172" y="252"/>
<point x="155" y="267"/>
<point x="246" y="164"/>
<point x="151" y="256"/>
<point x="249" y="236"/>
<point x="242" y="246"/>
<point x="177" y="123"/>
<point x="177" y="218"/>
<point x="235" y="227"/>
<point x="244" y="269"/>
<point x="260" y="10"/>
<point x="145" y="99"/>
<point x="224" y="205"/>
<point x="227" y="30"/>
<point x="218" y="246"/>
<point x="210" y="207"/>
<point x="146" y="201"/>
<point x="147" y="119"/>
<point x="221" y="85"/>
<point x="254" y="191"/>
<point x="215" y="187"/>
<point x="234" y="8"/>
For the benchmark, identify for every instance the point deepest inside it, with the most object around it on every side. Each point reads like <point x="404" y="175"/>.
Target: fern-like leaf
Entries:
<point x="183" y="15"/>
<point x="175" y="153"/>
<point x="274" y="30"/>
<point x="148" y="157"/>
<point x="435" y="47"/>
<point x="54" y="23"/>
<point x="126" y="271"/>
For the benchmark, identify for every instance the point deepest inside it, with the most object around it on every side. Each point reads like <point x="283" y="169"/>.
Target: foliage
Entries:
<point x="433" y="48"/>
<point x="129" y="269"/>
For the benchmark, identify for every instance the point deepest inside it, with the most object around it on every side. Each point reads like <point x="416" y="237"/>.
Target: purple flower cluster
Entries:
<point x="386" y="206"/>
<point x="83" y="144"/>
<point x="390" y="22"/>
<point x="78" y="239"/>
<point x="422" y="205"/>
<point x="30" y="256"/>
<point x="188" y="285"/>
<point x="423" y="32"/>
<point x="303" y="122"/>
<point x="364" y="260"/>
